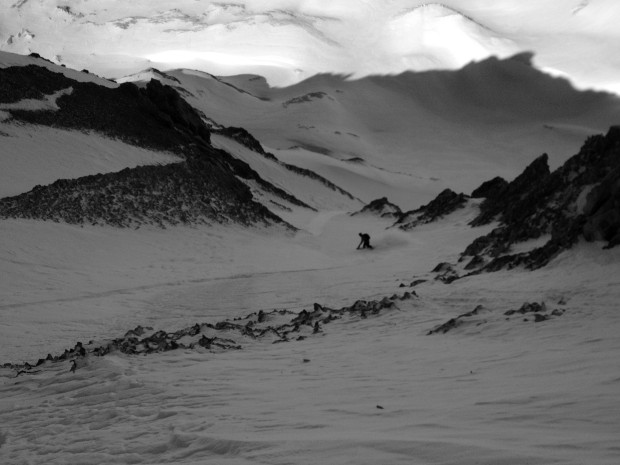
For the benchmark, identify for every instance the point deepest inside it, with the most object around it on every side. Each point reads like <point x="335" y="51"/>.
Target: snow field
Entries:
<point x="374" y="390"/>
<point x="415" y="133"/>
<point x="499" y="389"/>
<point x="31" y="155"/>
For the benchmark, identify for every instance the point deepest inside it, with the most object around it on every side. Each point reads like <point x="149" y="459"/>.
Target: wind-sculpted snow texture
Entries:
<point x="579" y="199"/>
<point x="274" y="326"/>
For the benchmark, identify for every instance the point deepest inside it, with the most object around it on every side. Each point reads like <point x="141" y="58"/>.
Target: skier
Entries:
<point x="365" y="242"/>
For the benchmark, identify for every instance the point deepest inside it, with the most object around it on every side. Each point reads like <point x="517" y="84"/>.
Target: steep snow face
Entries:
<point x="290" y="40"/>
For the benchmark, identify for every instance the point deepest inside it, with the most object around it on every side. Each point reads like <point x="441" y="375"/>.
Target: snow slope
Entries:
<point x="434" y="129"/>
<point x="501" y="390"/>
<point x="497" y="389"/>
<point x="41" y="155"/>
<point x="8" y="59"/>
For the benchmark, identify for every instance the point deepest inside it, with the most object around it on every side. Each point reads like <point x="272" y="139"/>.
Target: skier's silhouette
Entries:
<point x="365" y="242"/>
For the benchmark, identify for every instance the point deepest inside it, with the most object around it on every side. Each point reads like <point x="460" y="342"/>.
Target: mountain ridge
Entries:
<point x="156" y="118"/>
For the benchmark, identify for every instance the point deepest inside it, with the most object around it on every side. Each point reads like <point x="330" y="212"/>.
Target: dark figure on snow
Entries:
<point x="365" y="242"/>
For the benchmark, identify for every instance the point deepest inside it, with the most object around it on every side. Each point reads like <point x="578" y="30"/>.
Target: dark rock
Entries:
<point x="30" y="82"/>
<point x="512" y="193"/>
<point x="442" y="267"/>
<point x="528" y="307"/>
<point x="173" y="107"/>
<point x="381" y="207"/>
<point x="281" y="324"/>
<point x="602" y="210"/>
<point x="445" y="273"/>
<point x="535" y="310"/>
<point x="476" y="262"/>
<point x="475" y="311"/>
<point x="453" y="323"/>
<point x="490" y="189"/>
<point x="36" y="55"/>
<point x="445" y="327"/>
<point x="246" y="139"/>
<point x="445" y="203"/>
<point x="306" y="98"/>
<point x="205" y="342"/>
<point x="539" y="203"/>
<point x="202" y="189"/>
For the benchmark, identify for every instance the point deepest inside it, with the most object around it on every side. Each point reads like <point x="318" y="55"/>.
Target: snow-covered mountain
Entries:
<point x="180" y="282"/>
<point x="292" y="40"/>
<point x="445" y="129"/>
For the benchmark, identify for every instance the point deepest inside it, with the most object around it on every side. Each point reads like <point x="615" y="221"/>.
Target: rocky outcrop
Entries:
<point x="581" y="199"/>
<point x="445" y="203"/>
<point x="175" y="110"/>
<point x="445" y="272"/>
<point x="190" y="192"/>
<point x="534" y="311"/>
<point x="490" y="189"/>
<point x="29" y="82"/>
<point x="246" y="139"/>
<point x="381" y="207"/>
<point x="306" y="98"/>
<point x="277" y="326"/>
<point x="154" y="117"/>
<point x="460" y="320"/>
<point x="508" y="200"/>
<point x="203" y="189"/>
<point x="602" y="208"/>
<point x="242" y="136"/>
